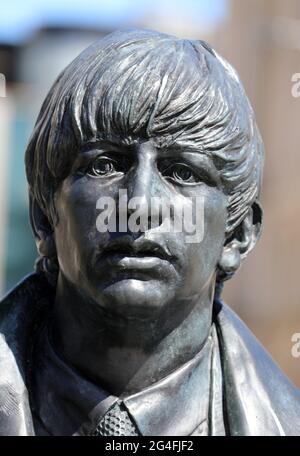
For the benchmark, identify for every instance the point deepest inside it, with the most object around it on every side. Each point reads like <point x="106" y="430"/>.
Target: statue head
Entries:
<point x="157" y="117"/>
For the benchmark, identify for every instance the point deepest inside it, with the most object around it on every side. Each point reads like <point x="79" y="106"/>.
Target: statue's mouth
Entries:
<point x="140" y="248"/>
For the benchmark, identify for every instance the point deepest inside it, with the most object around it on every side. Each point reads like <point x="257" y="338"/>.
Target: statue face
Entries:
<point x="139" y="274"/>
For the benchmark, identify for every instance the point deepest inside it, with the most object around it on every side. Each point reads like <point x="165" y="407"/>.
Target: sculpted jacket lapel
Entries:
<point x="259" y="399"/>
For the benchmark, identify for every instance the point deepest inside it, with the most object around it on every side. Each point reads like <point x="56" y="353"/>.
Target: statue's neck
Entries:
<point x="125" y="356"/>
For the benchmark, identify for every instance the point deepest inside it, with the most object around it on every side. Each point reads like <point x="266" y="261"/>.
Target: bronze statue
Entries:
<point x="123" y="331"/>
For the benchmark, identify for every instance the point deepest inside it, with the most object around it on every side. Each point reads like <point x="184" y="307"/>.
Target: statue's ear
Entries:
<point x="240" y="243"/>
<point x="42" y="229"/>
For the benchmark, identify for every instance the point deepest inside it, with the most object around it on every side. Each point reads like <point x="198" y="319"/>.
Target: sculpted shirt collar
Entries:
<point x="65" y="403"/>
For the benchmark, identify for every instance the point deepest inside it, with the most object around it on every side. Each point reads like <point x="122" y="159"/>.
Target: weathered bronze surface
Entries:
<point x="123" y="332"/>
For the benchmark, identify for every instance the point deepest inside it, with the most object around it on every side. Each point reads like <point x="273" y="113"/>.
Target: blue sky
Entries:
<point x="20" y="17"/>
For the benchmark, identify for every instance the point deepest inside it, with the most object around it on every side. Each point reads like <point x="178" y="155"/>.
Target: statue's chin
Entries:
<point x="135" y="298"/>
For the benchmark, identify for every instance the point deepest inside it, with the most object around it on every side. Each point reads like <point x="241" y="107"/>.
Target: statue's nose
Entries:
<point x="145" y="187"/>
<point x="143" y="180"/>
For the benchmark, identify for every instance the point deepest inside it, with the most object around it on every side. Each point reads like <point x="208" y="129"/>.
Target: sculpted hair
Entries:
<point x="147" y="84"/>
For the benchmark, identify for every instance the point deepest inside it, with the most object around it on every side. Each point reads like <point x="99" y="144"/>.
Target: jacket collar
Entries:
<point x="259" y="399"/>
<point x="19" y="313"/>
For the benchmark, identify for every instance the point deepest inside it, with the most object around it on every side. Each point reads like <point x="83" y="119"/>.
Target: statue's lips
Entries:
<point x="135" y="262"/>
<point x="140" y="249"/>
<point x="139" y="255"/>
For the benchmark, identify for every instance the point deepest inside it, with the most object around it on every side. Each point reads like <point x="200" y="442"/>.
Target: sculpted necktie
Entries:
<point x="116" y="422"/>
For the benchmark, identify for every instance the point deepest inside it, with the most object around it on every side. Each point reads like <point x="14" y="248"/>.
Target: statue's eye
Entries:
<point x="104" y="167"/>
<point x="181" y="173"/>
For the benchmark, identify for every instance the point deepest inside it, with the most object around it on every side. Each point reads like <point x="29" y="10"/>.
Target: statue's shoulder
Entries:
<point x="29" y="287"/>
<point x="29" y="296"/>
<point x="20" y="308"/>
<point x="260" y="399"/>
<point x="21" y="312"/>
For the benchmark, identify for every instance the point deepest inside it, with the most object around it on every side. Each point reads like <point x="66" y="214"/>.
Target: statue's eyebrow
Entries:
<point x="116" y="143"/>
<point x="178" y="147"/>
